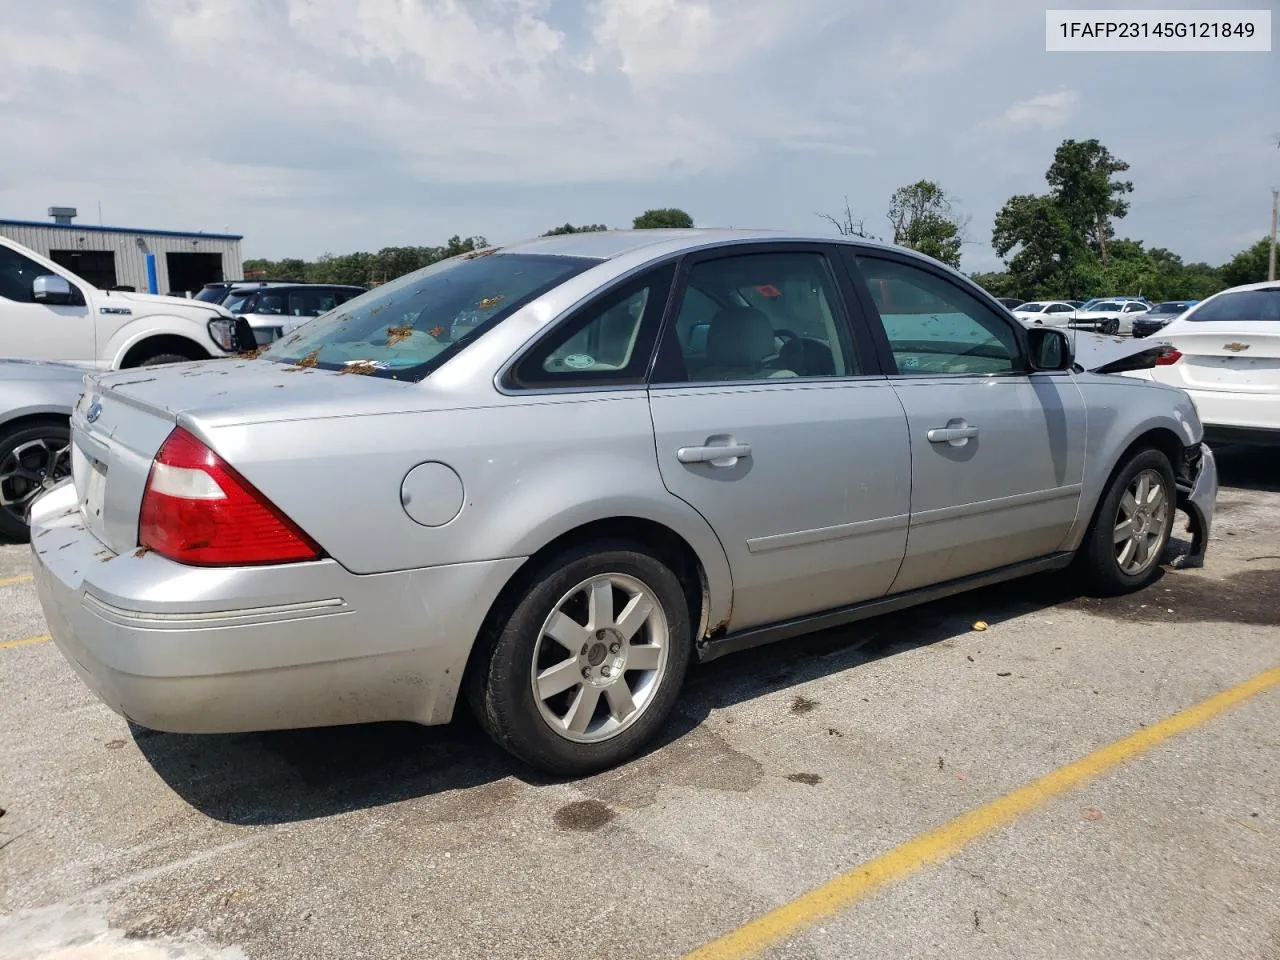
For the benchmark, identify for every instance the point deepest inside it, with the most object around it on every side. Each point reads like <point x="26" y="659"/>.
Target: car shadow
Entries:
<point x="296" y="775"/>
<point x="1249" y="468"/>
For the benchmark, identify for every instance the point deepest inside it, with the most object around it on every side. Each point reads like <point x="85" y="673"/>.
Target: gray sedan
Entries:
<point x="547" y="478"/>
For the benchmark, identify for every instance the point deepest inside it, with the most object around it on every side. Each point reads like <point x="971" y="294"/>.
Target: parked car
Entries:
<point x="640" y="457"/>
<point x="1110" y="316"/>
<point x="1225" y="353"/>
<point x="36" y="398"/>
<point x="276" y="309"/>
<point x="1010" y="302"/>
<point x="1159" y="316"/>
<point x="1051" y="313"/>
<point x="49" y="313"/>
<point x="218" y="290"/>
<point x="1075" y="303"/>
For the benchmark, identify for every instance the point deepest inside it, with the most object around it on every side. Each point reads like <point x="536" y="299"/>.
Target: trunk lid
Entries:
<point x="1229" y="357"/>
<point x="122" y="419"/>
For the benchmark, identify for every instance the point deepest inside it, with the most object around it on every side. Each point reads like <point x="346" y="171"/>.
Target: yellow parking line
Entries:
<point x="26" y="642"/>
<point x="942" y="842"/>
<point x="6" y="581"/>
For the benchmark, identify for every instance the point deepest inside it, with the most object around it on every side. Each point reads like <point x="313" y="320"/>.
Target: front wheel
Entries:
<point x="1131" y="527"/>
<point x="589" y="663"/>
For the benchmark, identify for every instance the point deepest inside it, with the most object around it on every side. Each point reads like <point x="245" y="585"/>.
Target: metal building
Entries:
<point x="149" y="261"/>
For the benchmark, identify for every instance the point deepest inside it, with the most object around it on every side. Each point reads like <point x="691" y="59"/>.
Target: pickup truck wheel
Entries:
<point x="586" y="669"/>
<point x="1131" y="527"/>
<point x="33" y="457"/>
<point x="160" y="358"/>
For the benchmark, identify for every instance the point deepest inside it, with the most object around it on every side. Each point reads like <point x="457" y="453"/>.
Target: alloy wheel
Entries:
<point x="1141" y="523"/>
<point x="31" y="468"/>
<point x="600" y="657"/>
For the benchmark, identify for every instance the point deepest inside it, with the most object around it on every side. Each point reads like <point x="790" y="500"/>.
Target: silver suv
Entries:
<point x="274" y="309"/>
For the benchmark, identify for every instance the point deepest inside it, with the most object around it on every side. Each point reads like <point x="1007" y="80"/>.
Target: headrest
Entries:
<point x="740" y="337"/>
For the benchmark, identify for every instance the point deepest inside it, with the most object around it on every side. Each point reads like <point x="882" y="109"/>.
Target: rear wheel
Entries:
<point x="33" y="457"/>
<point x="589" y="663"/>
<point x="159" y="358"/>
<point x="1131" y="527"/>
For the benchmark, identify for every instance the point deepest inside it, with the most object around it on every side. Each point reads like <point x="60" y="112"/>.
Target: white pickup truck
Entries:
<point x="49" y="313"/>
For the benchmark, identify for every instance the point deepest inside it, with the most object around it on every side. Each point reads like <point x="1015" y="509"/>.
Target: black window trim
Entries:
<point x="668" y="359"/>
<point x="509" y="380"/>
<point x="884" y="350"/>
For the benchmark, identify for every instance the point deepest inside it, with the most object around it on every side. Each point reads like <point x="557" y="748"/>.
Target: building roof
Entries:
<point x="87" y="228"/>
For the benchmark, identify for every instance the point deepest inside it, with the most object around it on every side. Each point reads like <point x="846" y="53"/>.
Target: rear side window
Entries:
<point x="1242" y="307"/>
<point x="406" y="328"/>
<point x="758" y="316"/>
<point x="609" y="342"/>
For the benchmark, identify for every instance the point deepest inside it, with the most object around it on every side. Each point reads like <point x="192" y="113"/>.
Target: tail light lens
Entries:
<point x="197" y="510"/>
<point x="1168" y="357"/>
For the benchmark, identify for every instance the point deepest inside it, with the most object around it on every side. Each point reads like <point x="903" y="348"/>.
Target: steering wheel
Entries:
<point x="783" y="334"/>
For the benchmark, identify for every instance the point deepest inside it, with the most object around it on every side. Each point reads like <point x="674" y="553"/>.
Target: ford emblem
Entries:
<point x="94" y="411"/>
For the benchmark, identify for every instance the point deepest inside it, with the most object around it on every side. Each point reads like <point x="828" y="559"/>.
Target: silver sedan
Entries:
<point x="547" y="478"/>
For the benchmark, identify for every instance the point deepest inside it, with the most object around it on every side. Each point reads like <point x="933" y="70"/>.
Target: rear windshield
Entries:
<point x="406" y="328"/>
<point x="1247" y="305"/>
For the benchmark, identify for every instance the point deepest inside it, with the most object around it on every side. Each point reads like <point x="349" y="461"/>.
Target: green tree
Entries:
<point x="1082" y="182"/>
<point x="923" y="220"/>
<point x="1247" y="266"/>
<point x="570" y="228"/>
<point x="666" y="217"/>
<point x="1043" y="253"/>
<point x="998" y="283"/>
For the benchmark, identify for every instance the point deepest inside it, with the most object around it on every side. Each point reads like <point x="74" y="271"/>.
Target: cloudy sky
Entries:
<point x="336" y="125"/>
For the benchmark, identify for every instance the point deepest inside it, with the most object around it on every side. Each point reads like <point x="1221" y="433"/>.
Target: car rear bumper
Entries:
<point x="1236" y="417"/>
<point x="220" y="650"/>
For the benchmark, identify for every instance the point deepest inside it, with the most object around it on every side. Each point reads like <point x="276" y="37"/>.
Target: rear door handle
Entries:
<point x="718" y="455"/>
<point x="957" y="436"/>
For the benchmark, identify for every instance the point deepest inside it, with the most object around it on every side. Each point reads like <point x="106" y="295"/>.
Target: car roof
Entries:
<point x="608" y="244"/>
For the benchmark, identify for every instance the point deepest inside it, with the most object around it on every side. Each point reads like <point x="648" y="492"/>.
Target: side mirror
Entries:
<point x="1050" y="349"/>
<point x="51" y="289"/>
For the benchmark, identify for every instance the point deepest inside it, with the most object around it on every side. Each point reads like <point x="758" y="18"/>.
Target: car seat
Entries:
<point x="740" y="341"/>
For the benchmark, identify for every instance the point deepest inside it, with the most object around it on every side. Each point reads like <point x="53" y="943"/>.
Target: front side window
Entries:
<point x="608" y="342"/>
<point x="759" y="316"/>
<point x="17" y="273"/>
<point x="1134" y="307"/>
<point x="1246" y="306"/>
<point x="935" y="326"/>
<point x="405" y="328"/>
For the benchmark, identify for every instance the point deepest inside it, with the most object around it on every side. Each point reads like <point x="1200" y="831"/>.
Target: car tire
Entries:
<point x="581" y="724"/>
<point x="160" y="358"/>
<point x="1104" y="560"/>
<point x="31" y="456"/>
<point x="1112" y="328"/>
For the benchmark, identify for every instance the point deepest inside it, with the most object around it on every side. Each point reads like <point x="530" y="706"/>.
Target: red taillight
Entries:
<point x="197" y="510"/>
<point x="1168" y="356"/>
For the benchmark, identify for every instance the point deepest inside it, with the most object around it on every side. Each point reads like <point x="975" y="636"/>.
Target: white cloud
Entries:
<point x="1047" y="111"/>
<point x="341" y="124"/>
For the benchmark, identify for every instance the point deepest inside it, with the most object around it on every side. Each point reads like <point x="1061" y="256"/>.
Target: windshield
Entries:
<point x="1103" y="305"/>
<point x="238" y="303"/>
<point x="1030" y="307"/>
<point x="212" y="294"/>
<point x="1170" y="307"/>
<point x="406" y="328"/>
<point x="1246" y="305"/>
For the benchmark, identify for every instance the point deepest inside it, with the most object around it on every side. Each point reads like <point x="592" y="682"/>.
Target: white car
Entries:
<point x="1048" y="313"/>
<point x="1111" y="316"/>
<point x="1226" y="355"/>
<point x="49" y="313"/>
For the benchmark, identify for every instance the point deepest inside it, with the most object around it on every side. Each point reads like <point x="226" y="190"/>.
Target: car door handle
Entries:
<point x="718" y="455"/>
<point x="951" y="434"/>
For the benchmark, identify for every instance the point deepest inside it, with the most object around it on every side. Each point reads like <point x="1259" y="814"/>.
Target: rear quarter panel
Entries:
<point x="1118" y="411"/>
<point x="532" y="469"/>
